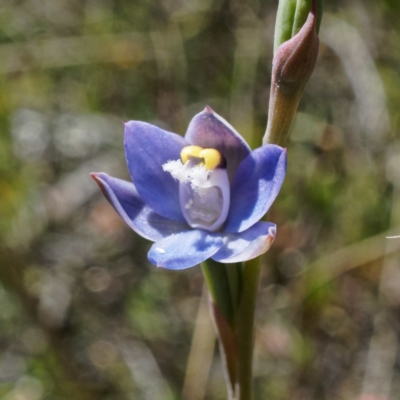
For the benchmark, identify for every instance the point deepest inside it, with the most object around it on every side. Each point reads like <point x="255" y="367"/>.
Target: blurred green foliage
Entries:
<point x="83" y="315"/>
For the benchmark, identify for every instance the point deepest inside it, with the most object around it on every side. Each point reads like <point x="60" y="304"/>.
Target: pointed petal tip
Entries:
<point x="94" y="175"/>
<point x="208" y="109"/>
<point x="97" y="176"/>
<point x="102" y="182"/>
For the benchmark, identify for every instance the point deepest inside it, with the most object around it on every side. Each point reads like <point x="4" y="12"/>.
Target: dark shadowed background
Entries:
<point x="83" y="315"/>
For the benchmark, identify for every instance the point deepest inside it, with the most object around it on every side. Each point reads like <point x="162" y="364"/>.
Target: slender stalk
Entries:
<point x="223" y="284"/>
<point x="218" y="286"/>
<point x="201" y="353"/>
<point x="245" y="326"/>
<point x="234" y="274"/>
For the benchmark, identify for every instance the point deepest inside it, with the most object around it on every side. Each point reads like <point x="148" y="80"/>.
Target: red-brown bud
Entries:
<point x="292" y="66"/>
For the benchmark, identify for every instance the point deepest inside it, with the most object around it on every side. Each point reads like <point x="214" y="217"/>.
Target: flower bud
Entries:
<point x="292" y="66"/>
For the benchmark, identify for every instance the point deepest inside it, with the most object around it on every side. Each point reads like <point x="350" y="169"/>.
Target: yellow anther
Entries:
<point x="190" y="151"/>
<point x="212" y="158"/>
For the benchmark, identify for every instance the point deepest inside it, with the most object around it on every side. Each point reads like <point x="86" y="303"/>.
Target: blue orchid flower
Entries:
<point x="197" y="196"/>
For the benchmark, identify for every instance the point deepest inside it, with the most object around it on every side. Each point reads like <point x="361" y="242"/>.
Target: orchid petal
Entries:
<point x="208" y="129"/>
<point x="147" y="149"/>
<point x="255" y="186"/>
<point x="239" y="247"/>
<point x="126" y="201"/>
<point x="184" y="250"/>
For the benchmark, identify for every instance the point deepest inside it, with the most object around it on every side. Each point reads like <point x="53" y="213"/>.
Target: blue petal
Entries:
<point x="255" y="186"/>
<point x="208" y="129"/>
<point x="246" y="245"/>
<point x="126" y="201"/>
<point x="147" y="148"/>
<point x="185" y="249"/>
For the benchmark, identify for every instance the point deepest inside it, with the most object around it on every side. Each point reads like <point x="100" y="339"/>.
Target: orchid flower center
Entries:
<point x="204" y="191"/>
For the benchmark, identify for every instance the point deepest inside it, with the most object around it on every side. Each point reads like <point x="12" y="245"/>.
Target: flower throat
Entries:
<point x="204" y="191"/>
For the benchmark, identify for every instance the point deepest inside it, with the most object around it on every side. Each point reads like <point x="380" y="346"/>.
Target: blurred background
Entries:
<point x="83" y="315"/>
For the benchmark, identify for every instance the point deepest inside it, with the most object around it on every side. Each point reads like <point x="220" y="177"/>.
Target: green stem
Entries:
<point x="223" y="282"/>
<point x="245" y="326"/>
<point x="234" y="274"/>
<point x="218" y="286"/>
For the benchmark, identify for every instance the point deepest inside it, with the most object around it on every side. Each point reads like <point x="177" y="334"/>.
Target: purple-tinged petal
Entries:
<point x="147" y="148"/>
<point x="255" y="186"/>
<point x="246" y="245"/>
<point x="184" y="250"/>
<point x="126" y="201"/>
<point x="208" y="129"/>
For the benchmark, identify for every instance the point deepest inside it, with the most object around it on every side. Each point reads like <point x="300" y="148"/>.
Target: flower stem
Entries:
<point x="223" y="282"/>
<point x="219" y="288"/>
<point x="245" y="326"/>
<point x="234" y="274"/>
